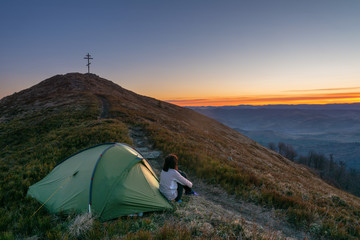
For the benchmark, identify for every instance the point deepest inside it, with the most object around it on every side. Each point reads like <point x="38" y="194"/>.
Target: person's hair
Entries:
<point x="171" y="161"/>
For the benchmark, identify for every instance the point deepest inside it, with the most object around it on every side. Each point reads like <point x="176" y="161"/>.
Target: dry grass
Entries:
<point x="81" y="225"/>
<point x="210" y="220"/>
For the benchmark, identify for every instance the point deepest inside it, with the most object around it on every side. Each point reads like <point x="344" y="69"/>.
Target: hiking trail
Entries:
<point x="271" y="222"/>
<point x="104" y="107"/>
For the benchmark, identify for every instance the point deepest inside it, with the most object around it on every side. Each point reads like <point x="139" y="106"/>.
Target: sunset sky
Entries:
<point x="189" y="52"/>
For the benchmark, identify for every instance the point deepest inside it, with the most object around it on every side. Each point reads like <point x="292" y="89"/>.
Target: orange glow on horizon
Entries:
<point x="292" y="99"/>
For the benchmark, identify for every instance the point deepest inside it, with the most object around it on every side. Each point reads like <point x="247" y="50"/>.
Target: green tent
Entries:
<point x="108" y="180"/>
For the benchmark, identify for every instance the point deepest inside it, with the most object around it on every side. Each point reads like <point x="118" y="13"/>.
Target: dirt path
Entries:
<point x="264" y="219"/>
<point x="104" y="107"/>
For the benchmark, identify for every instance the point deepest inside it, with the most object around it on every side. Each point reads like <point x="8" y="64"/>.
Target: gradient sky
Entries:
<point x="189" y="52"/>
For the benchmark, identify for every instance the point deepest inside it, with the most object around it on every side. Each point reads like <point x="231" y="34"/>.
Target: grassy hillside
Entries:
<point x="45" y="124"/>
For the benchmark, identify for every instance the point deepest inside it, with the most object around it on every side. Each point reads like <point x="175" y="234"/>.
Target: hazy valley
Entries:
<point x="328" y="129"/>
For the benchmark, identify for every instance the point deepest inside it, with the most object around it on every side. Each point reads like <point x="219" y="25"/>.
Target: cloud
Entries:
<point x="187" y="100"/>
<point x="324" y="89"/>
<point x="316" y="98"/>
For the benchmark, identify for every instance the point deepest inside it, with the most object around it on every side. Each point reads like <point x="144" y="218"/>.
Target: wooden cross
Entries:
<point x="88" y="57"/>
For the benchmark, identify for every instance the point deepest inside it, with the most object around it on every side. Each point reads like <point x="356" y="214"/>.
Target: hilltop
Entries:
<point x="42" y="125"/>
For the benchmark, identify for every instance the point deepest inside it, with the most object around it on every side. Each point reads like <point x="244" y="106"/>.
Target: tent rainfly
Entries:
<point x="108" y="180"/>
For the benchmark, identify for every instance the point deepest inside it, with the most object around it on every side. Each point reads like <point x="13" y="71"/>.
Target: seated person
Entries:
<point x="173" y="181"/>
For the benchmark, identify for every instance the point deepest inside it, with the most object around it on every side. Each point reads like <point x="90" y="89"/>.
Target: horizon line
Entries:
<point x="313" y="99"/>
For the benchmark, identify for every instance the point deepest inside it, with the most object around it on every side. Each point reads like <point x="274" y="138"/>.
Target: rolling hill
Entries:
<point x="48" y="122"/>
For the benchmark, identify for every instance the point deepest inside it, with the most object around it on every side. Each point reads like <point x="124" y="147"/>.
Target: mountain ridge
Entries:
<point x="68" y="116"/>
<point x="333" y="106"/>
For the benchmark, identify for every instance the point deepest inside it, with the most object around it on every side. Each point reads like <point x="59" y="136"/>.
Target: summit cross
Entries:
<point x="88" y="57"/>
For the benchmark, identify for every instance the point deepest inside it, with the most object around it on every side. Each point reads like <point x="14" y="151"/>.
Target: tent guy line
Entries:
<point x="68" y="178"/>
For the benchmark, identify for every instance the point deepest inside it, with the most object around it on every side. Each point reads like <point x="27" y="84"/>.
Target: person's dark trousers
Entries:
<point x="181" y="187"/>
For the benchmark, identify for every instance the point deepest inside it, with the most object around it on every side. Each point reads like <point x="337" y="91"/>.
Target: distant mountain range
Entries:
<point x="335" y="106"/>
<point x="328" y="129"/>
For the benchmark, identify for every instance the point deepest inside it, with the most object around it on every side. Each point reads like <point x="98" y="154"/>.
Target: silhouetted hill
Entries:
<point x="42" y="125"/>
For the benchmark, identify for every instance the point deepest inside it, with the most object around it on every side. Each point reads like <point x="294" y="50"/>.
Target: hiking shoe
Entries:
<point x="179" y="201"/>
<point x="191" y="193"/>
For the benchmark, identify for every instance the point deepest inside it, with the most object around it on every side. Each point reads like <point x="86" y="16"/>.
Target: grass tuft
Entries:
<point x="81" y="225"/>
